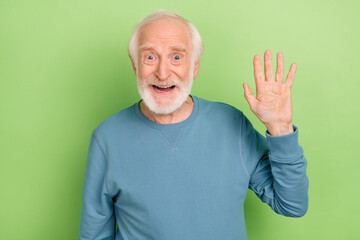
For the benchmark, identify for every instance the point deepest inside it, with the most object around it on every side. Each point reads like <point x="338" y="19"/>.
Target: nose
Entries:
<point x="162" y="71"/>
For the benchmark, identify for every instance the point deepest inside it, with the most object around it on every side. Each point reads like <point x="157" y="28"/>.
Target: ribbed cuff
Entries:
<point x="284" y="147"/>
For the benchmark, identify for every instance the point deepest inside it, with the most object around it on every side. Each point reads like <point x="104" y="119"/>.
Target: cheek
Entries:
<point x="145" y="71"/>
<point x="182" y="72"/>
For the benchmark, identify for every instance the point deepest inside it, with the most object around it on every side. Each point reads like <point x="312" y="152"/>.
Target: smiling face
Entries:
<point x="165" y="70"/>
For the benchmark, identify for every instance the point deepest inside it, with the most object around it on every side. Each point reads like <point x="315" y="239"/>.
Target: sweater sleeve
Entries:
<point x="277" y="170"/>
<point x="97" y="219"/>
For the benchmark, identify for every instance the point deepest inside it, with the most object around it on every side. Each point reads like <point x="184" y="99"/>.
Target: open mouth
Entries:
<point x="163" y="88"/>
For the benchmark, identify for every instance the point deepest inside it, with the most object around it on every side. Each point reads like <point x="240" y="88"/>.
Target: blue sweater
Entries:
<point x="188" y="180"/>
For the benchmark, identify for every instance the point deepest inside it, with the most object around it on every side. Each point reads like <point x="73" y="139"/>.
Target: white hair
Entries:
<point x="197" y="43"/>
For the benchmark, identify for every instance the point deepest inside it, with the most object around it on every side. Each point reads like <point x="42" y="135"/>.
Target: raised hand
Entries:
<point x="272" y="104"/>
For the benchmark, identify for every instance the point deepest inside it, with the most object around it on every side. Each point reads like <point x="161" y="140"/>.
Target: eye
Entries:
<point x="177" y="57"/>
<point x="149" y="57"/>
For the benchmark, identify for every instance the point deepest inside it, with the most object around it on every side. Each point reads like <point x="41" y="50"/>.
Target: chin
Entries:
<point x="165" y="107"/>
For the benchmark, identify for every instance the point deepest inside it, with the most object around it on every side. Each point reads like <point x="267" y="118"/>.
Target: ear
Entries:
<point x="133" y="64"/>
<point x="196" y="69"/>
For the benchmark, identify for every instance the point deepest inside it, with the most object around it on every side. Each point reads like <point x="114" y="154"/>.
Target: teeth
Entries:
<point x="163" y="86"/>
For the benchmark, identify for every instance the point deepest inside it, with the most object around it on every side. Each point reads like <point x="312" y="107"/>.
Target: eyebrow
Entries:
<point x="177" y="47"/>
<point x="146" y="47"/>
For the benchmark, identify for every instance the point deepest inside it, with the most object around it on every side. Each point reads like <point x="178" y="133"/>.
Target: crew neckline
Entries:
<point x="152" y="124"/>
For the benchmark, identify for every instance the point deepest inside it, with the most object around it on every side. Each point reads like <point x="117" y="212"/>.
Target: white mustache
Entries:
<point x="152" y="80"/>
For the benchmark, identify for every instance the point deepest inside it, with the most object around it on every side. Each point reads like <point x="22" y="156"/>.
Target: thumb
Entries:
<point x="250" y="98"/>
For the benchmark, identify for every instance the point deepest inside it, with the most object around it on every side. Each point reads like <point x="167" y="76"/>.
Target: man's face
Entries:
<point x="165" y="71"/>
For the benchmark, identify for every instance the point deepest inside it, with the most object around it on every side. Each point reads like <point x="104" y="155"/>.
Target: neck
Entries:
<point x="179" y="115"/>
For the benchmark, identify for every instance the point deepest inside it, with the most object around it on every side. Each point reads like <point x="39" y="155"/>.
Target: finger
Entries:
<point x="291" y="74"/>
<point x="249" y="96"/>
<point x="280" y="68"/>
<point x="259" y="77"/>
<point x="268" y="66"/>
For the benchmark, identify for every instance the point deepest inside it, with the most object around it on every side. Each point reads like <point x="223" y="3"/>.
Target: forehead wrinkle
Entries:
<point x="160" y="37"/>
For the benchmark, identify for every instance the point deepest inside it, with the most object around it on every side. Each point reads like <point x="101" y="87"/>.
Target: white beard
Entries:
<point x="154" y="104"/>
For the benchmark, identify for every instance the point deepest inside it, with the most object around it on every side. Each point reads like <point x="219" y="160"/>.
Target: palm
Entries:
<point x="272" y="104"/>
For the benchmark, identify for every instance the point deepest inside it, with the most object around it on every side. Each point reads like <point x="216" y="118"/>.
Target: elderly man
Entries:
<point x="177" y="167"/>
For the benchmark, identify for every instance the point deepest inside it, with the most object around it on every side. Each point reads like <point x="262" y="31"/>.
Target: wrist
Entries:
<point x="280" y="129"/>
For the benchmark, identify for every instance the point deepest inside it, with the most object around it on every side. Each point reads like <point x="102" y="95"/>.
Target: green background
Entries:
<point x="64" y="68"/>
